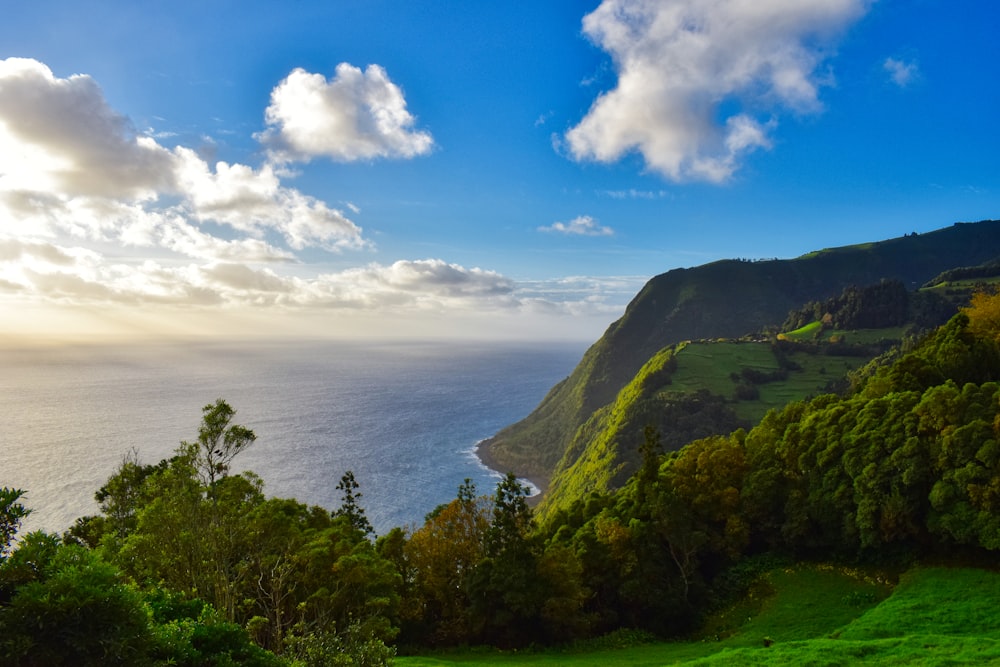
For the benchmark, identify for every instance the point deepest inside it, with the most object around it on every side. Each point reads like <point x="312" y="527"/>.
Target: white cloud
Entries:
<point x="582" y="225"/>
<point x="355" y="116"/>
<point x="416" y="284"/>
<point x="254" y="200"/>
<point x="633" y="193"/>
<point x="544" y="118"/>
<point x="101" y="221"/>
<point x="86" y="278"/>
<point x="60" y="135"/>
<point x="174" y="234"/>
<point x="425" y="288"/>
<point x="16" y="249"/>
<point x="72" y="166"/>
<point x="900" y="72"/>
<point x="679" y="62"/>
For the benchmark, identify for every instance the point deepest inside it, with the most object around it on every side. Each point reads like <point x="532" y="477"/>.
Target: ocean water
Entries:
<point x="405" y="418"/>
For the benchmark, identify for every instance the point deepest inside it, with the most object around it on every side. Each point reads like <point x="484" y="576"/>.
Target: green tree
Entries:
<point x="12" y="513"/>
<point x="76" y="612"/>
<point x="506" y="591"/>
<point x="219" y="441"/>
<point x="350" y="505"/>
<point x="280" y="568"/>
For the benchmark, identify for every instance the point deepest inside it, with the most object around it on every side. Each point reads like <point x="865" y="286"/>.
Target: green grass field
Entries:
<point x="815" y="615"/>
<point x="709" y="365"/>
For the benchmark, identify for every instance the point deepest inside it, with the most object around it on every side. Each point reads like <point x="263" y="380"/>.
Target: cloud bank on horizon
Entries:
<point x="77" y="178"/>
<point x="96" y="213"/>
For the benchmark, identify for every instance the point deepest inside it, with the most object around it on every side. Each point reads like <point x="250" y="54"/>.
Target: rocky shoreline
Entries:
<point x="537" y="484"/>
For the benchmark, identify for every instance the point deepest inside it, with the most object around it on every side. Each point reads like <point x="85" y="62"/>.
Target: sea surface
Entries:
<point x="404" y="418"/>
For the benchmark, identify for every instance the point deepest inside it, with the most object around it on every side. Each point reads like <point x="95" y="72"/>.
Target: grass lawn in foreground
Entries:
<point x="794" y="603"/>
<point x="813" y="615"/>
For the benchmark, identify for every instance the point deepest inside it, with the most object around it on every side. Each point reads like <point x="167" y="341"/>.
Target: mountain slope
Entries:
<point x="724" y="299"/>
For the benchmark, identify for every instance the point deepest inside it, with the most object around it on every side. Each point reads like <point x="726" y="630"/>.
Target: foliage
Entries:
<point x="818" y="614"/>
<point x="75" y="610"/>
<point x="355" y="647"/>
<point x="12" y="513"/>
<point x="275" y="568"/>
<point x="691" y="391"/>
<point x="350" y="505"/>
<point x="907" y="466"/>
<point x="477" y="572"/>
<point x="439" y="558"/>
<point x="219" y="441"/>
<point x="65" y="605"/>
<point x="884" y="304"/>
<point x="726" y="299"/>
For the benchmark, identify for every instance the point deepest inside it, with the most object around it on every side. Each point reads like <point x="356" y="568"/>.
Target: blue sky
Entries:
<point x="463" y="169"/>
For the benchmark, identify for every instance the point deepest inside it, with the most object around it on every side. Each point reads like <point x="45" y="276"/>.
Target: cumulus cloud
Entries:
<point x="61" y="135"/>
<point x="428" y="286"/>
<point x="247" y="280"/>
<point x="175" y="234"/>
<point x="680" y="62"/>
<point x="900" y="72"/>
<point x="96" y="215"/>
<point x="254" y="200"/>
<point x="357" y="115"/>
<point x="582" y="225"/>
<point x="72" y="165"/>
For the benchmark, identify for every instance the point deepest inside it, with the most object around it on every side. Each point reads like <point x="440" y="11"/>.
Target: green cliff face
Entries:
<point x="585" y="433"/>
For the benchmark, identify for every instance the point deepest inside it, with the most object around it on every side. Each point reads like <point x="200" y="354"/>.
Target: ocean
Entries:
<point x="403" y="417"/>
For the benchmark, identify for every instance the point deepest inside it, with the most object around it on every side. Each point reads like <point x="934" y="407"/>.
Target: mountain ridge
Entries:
<point x="722" y="299"/>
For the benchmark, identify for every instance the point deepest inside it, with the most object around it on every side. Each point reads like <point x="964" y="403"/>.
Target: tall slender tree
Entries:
<point x="350" y="506"/>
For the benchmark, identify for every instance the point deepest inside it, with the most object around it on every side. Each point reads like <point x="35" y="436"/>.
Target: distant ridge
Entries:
<point x="723" y="299"/>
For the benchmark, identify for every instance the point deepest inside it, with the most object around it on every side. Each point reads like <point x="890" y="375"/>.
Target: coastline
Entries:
<point x="486" y="459"/>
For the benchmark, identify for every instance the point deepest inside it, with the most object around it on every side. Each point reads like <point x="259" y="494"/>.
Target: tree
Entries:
<point x="350" y="507"/>
<point x="119" y="499"/>
<point x="12" y="513"/>
<point x="186" y="519"/>
<point x="512" y="518"/>
<point x="442" y="555"/>
<point x="219" y="441"/>
<point x="279" y="568"/>
<point x="984" y="314"/>
<point x="505" y="590"/>
<point x="76" y="612"/>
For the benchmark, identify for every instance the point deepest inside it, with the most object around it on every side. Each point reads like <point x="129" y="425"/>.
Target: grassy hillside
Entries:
<point x="725" y="299"/>
<point x="821" y="615"/>
<point x="696" y="389"/>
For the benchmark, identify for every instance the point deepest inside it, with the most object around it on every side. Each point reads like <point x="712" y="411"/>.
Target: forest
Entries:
<point x="188" y="563"/>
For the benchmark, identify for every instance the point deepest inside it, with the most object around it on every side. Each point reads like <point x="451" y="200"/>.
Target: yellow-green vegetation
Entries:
<point x="724" y="299"/>
<point x="814" y="331"/>
<point x="813" y="614"/>
<point x="592" y="460"/>
<point x="935" y="616"/>
<point x="808" y="332"/>
<point x="691" y="390"/>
